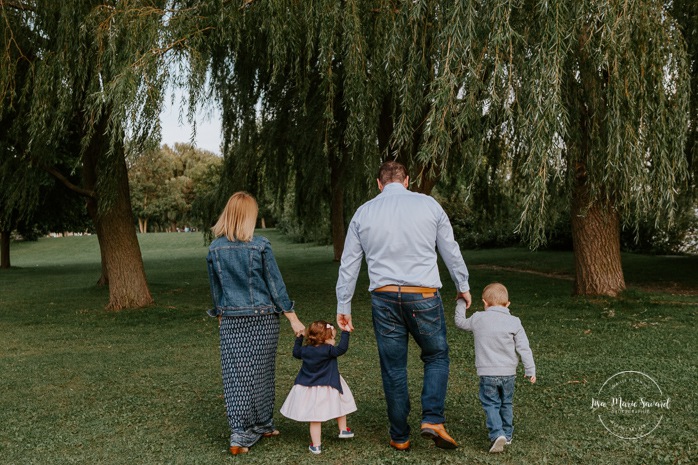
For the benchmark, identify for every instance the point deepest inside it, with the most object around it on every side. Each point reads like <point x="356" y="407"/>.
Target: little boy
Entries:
<point x="498" y="337"/>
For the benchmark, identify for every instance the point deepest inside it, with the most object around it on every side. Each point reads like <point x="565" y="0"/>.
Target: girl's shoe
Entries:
<point x="315" y="449"/>
<point x="236" y="450"/>
<point x="346" y="434"/>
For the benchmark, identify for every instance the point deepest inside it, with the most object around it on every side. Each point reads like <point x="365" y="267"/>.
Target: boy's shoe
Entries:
<point x="315" y="449"/>
<point x="346" y="434"/>
<point x="508" y="443"/>
<point x="498" y="445"/>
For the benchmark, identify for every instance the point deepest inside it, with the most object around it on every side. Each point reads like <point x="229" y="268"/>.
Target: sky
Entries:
<point x="208" y="128"/>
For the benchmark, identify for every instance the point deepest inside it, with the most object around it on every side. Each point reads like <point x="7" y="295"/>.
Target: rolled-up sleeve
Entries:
<point x="450" y="253"/>
<point x="349" y="269"/>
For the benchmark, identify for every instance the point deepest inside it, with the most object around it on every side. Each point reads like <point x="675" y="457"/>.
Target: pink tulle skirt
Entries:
<point x="318" y="403"/>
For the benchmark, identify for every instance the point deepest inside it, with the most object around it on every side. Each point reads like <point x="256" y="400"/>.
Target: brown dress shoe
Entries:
<point x="235" y="450"/>
<point x="400" y="445"/>
<point x="438" y="434"/>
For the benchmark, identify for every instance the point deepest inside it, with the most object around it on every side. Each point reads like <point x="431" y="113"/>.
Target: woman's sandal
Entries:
<point x="271" y="434"/>
<point x="235" y="450"/>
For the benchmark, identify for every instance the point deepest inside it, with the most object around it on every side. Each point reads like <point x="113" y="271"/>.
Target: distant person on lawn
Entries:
<point x="248" y="295"/>
<point x="399" y="233"/>
<point x="499" y="336"/>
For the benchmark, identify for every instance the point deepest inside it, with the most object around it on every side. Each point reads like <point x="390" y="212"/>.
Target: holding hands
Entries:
<point x="344" y="322"/>
<point x="298" y="328"/>
<point x="296" y="325"/>
<point x="465" y="296"/>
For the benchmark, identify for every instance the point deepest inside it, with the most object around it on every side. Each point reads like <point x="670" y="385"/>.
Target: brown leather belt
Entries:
<point x="425" y="291"/>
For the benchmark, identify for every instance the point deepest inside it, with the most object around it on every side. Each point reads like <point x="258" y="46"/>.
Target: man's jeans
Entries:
<point x="395" y="317"/>
<point x="497" y="395"/>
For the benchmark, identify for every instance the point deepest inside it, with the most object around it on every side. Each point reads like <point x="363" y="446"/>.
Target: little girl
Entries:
<point x="319" y="392"/>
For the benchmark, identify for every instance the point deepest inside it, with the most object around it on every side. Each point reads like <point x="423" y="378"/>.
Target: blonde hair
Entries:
<point x="495" y="294"/>
<point x="319" y="331"/>
<point x="238" y="219"/>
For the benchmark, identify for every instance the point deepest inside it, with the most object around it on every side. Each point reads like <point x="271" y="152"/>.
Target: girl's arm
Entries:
<point x="298" y="347"/>
<point x="342" y="347"/>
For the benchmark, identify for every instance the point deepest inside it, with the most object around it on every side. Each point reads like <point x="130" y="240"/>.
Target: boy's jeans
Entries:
<point x="496" y="395"/>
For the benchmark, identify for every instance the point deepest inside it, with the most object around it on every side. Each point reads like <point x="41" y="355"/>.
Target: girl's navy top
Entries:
<point x="319" y="366"/>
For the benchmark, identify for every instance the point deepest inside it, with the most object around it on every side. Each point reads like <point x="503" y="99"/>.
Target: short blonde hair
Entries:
<point x="495" y="294"/>
<point x="238" y="219"/>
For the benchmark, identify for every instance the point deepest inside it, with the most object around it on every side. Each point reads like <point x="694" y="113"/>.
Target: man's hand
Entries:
<point x="344" y="322"/>
<point x="467" y="297"/>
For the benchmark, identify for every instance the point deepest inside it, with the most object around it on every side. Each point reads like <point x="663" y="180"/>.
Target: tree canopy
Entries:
<point x="168" y="181"/>
<point x="582" y="101"/>
<point x="77" y="81"/>
<point x="588" y="101"/>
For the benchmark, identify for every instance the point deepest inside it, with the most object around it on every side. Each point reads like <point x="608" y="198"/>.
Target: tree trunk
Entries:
<point x="4" y="249"/>
<point x="596" y="242"/>
<point x="595" y="221"/>
<point x="122" y="263"/>
<point x="424" y="182"/>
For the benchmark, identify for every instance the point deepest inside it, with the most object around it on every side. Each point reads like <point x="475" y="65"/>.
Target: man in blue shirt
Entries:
<point x="399" y="233"/>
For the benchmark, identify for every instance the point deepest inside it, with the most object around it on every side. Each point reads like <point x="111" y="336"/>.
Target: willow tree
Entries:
<point x="589" y="101"/>
<point x="85" y="92"/>
<point x="607" y="116"/>
<point x="686" y="13"/>
<point x="277" y="70"/>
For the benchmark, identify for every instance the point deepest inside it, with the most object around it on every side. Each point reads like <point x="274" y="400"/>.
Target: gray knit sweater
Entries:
<point x="498" y="337"/>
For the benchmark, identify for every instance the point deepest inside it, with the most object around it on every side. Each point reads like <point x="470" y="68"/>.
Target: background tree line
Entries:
<point x="536" y="114"/>
<point x="170" y="186"/>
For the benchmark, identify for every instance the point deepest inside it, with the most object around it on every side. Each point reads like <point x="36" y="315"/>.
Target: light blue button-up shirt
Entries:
<point x="399" y="232"/>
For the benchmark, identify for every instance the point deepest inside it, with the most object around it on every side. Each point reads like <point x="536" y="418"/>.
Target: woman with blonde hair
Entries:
<point x="248" y="294"/>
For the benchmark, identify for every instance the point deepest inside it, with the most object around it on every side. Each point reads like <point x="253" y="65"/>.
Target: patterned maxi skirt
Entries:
<point x="248" y="361"/>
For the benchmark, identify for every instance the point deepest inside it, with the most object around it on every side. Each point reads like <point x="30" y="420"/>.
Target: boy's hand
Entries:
<point x="531" y="378"/>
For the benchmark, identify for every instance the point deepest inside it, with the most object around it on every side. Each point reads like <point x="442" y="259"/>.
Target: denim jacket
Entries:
<point x="245" y="279"/>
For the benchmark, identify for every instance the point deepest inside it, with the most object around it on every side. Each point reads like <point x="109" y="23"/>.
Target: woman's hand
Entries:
<point x="298" y="328"/>
<point x="296" y="325"/>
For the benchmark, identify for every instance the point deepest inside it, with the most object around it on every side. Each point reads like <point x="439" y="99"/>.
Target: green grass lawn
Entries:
<point x="80" y="385"/>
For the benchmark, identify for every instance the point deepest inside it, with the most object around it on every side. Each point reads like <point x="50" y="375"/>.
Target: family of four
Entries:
<point x="398" y="233"/>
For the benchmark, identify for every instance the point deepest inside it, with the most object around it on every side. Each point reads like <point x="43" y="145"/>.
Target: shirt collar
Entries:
<point x="393" y="187"/>
<point x="499" y="309"/>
